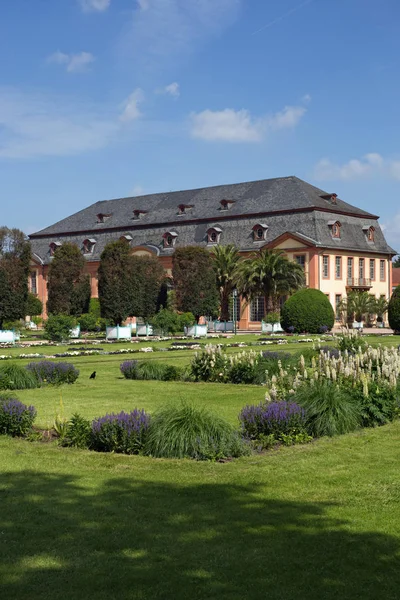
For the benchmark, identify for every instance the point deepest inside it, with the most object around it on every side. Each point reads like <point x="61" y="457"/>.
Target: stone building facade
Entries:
<point x="341" y="247"/>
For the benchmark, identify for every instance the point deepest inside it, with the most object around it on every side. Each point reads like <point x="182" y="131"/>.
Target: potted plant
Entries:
<point x="381" y="306"/>
<point x="272" y="319"/>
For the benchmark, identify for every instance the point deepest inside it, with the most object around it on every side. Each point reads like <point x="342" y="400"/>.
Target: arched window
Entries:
<point x="335" y="229"/>
<point x="169" y="239"/>
<point x="369" y="231"/>
<point x="53" y="247"/>
<point x="88" y="245"/>
<point x="260" y="232"/>
<point x="214" y="235"/>
<point x="102" y="217"/>
<point x="226" y="204"/>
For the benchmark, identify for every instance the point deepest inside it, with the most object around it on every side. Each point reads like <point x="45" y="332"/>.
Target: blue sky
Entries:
<point x="107" y="98"/>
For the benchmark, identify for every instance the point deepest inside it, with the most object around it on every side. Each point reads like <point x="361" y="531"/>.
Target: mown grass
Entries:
<point x="317" y="522"/>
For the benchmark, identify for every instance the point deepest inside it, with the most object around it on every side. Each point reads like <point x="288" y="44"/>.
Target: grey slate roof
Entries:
<point x="285" y="205"/>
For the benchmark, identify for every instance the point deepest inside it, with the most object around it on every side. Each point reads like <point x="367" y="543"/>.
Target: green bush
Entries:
<point x="88" y="322"/>
<point x="351" y="342"/>
<point x="189" y="432"/>
<point x="209" y="364"/>
<point x="15" y="418"/>
<point x="58" y="327"/>
<point x="78" y="432"/>
<point x="394" y="310"/>
<point x="330" y="410"/>
<point x="33" y="306"/>
<point x="166" y="321"/>
<point x="380" y="407"/>
<point x="307" y="311"/>
<point x="149" y="370"/>
<point x="16" y="377"/>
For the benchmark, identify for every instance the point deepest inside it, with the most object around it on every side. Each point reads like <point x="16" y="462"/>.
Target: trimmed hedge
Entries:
<point x="394" y="310"/>
<point x="307" y="311"/>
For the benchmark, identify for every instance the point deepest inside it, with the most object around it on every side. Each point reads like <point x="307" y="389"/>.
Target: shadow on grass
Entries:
<point x="139" y="540"/>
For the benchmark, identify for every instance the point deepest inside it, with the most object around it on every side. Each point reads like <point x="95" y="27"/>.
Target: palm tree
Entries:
<point x="226" y="260"/>
<point x="357" y="306"/>
<point x="270" y="274"/>
<point x="381" y="306"/>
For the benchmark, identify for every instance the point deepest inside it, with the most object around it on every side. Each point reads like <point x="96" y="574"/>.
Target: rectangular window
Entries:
<point x="350" y="270"/>
<point x="361" y="265"/>
<point x="33" y="282"/>
<point x="325" y="267"/>
<point x="338" y="299"/>
<point x="338" y="267"/>
<point x="372" y="269"/>
<point x="382" y="270"/>
<point x="301" y="260"/>
<point x="257" y="309"/>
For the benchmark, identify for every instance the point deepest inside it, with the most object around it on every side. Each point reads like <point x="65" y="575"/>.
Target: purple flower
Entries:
<point x="272" y="418"/>
<point x="129" y="369"/>
<point x="15" y="417"/>
<point x="53" y="372"/>
<point x="123" y="432"/>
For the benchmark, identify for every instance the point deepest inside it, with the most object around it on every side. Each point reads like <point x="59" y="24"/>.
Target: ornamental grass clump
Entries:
<point x="55" y="373"/>
<point x="274" y="418"/>
<point x="149" y="370"/>
<point x="15" y="417"/>
<point x="129" y="369"/>
<point x="123" y="432"/>
<point x="186" y="431"/>
<point x="329" y="409"/>
<point x="16" y="377"/>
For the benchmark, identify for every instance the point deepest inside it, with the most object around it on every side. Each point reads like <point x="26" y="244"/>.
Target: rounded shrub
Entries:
<point x="308" y="311"/>
<point x="185" y="431"/>
<point x="15" y="417"/>
<point x="394" y="310"/>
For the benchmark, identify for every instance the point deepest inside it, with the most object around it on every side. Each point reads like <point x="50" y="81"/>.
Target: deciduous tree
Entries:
<point x="15" y="255"/>
<point x="68" y="285"/>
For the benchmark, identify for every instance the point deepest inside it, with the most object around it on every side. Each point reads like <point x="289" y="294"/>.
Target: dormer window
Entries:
<point x="170" y="239"/>
<point x="260" y="232"/>
<point x="369" y="232"/>
<point x="184" y="208"/>
<point x="335" y="229"/>
<point x="53" y="247"/>
<point x="213" y="235"/>
<point x="88" y="245"/>
<point x="332" y="198"/>
<point x="138" y="214"/>
<point x="102" y="217"/>
<point x="126" y="238"/>
<point x="226" y="204"/>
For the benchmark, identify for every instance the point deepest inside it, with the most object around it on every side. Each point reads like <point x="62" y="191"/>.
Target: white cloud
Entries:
<point x="137" y="190"/>
<point x="391" y="230"/>
<point x="130" y="107"/>
<point x="162" y="31"/>
<point x="370" y="165"/>
<point x="94" y="5"/>
<point x="33" y="125"/>
<point x="240" y="126"/>
<point x="172" y="89"/>
<point x="75" y="63"/>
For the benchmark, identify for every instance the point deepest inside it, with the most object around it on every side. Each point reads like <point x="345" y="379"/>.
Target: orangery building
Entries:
<point x="340" y="247"/>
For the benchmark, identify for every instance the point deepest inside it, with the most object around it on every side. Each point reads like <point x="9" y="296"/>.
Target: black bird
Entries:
<point x="93" y="375"/>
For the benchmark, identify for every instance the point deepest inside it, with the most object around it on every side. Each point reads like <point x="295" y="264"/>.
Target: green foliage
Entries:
<point x="114" y="285"/>
<point x="307" y="311"/>
<point x="396" y="263"/>
<point x="189" y="432"/>
<point x="186" y="319"/>
<point x="209" y="364"/>
<point x="226" y="263"/>
<point x="15" y="255"/>
<point x="351" y="341"/>
<point x="149" y="370"/>
<point x="58" y="327"/>
<point x="380" y="406"/>
<point x="272" y="318"/>
<point x="94" y="307"/>
<point x="270" y="274"/>
<point x="33" y="306"/>
<point x="78" y="432"/>
<point x="195" y="281"/>
<point x="380" y="306"/>
<point x="394" y="310"/>
<point x="329" y="408"/>
<point x="146" y="277"/>
<point x="166" y="321"/>
<point x="68" y="285"/>
<point x="358" y="306"/>
<point x="16" y="377"/>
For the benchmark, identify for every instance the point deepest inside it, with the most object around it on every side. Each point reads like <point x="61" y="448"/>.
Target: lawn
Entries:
<point x="316" y="522"/>
<point x="319" y="521"/>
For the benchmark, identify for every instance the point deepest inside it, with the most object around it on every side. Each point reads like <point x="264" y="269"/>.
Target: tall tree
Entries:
<point x="68" y="285"/>
<point x="396" y="263"/>
<point x="146" y="277"/>
<point x="194" y="281"/>
<point x="114" y="282"/>
<point x="270" y="274"/>
<point x="15" y="255"/>
<point x="226" y="263"/>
